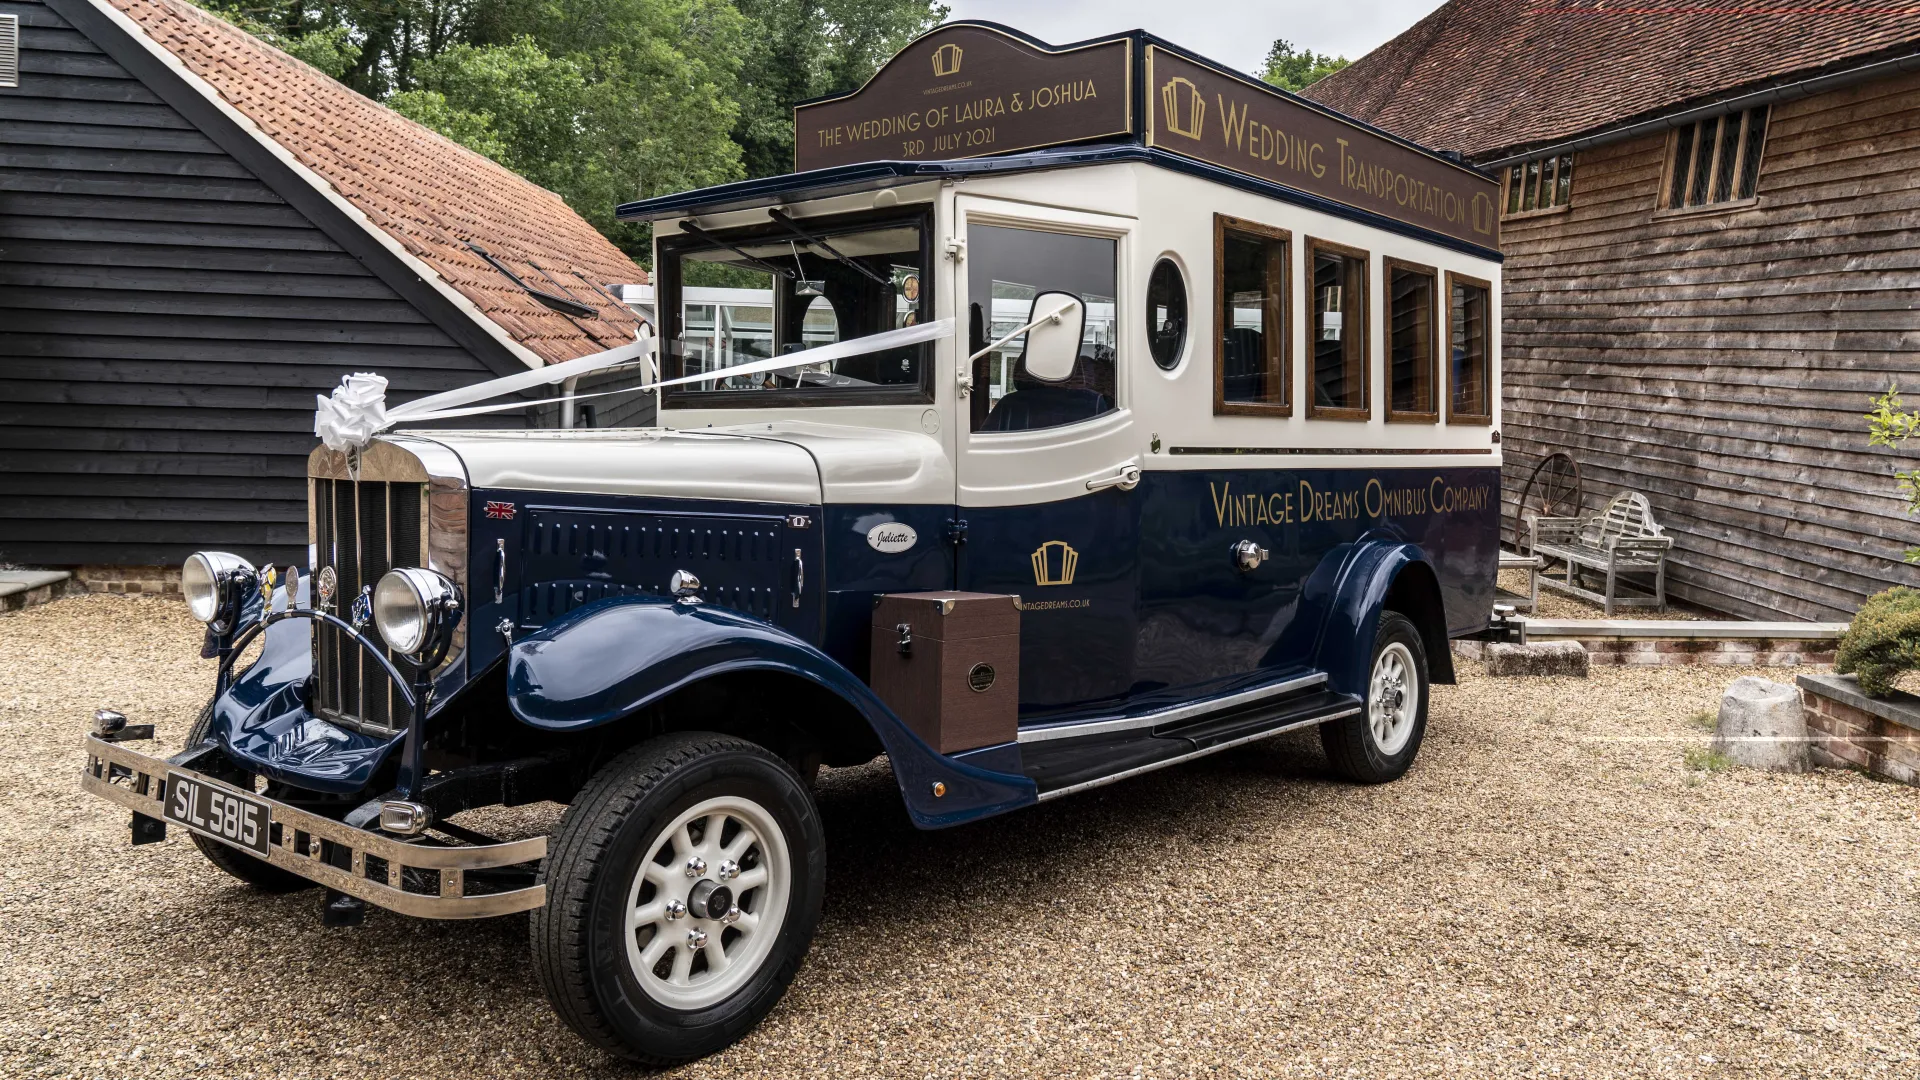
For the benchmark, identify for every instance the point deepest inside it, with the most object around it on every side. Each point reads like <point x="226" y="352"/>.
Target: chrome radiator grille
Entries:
<point x="362" y="529"/>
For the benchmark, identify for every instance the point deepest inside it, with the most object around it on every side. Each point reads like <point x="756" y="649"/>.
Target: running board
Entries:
<point x="1064" y="766"/>
<point x="1161" y="718"/>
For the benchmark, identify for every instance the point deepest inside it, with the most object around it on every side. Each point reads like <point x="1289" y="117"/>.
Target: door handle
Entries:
<point x="799" y="576"/>
<point x="1126" y="479"/>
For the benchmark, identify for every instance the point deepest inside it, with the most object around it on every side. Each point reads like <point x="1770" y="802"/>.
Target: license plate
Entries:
<point x="216" y="812"/>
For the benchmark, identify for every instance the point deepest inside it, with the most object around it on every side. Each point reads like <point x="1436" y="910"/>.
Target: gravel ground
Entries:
<point x="1552" y="890"/>
<point x="1559" y="605"/>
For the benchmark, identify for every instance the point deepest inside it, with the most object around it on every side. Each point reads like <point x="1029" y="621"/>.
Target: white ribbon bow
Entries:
<point x="354" y="414"/>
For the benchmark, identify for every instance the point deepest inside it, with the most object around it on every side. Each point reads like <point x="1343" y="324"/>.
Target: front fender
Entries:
<point x="1352" y="621"/>
<point x="607" y="660"/>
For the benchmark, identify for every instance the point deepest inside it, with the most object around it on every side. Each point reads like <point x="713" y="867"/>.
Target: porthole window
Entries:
<point x="1166" y="314"/>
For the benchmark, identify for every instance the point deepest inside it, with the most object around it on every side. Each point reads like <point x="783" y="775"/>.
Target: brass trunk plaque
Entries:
<point x="965" y="91"/>
<point x="1204" y="113"/>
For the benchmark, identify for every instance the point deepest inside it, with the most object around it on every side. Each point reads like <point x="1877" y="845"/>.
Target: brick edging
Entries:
<point x="1684" y="652"/>
<point x="1849" y="736"/>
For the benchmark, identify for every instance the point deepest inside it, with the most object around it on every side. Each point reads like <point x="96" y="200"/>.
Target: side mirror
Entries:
<point x="1053" y="343"/>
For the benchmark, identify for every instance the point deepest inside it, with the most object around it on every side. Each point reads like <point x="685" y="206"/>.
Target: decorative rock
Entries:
<point x="1762" y="726"/>
<point x="1537" y="658"/>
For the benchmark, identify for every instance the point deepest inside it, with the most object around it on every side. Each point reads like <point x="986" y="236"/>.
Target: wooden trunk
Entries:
<point x="949" y="664"/>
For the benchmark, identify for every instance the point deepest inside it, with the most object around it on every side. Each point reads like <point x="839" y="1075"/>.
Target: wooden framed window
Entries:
<point x="1338" y="383"/>
<point x="1469" y="350"/>
<point x="1715" y="161"/>
<point x="1542" y="183"/>
<point x="1253" y="347"/>
<point x="1413" y="330"/>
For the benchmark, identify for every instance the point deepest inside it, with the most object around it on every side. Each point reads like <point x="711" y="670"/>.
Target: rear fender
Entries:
<point x="606" y="661"/>
<point x="1378" y="573"/>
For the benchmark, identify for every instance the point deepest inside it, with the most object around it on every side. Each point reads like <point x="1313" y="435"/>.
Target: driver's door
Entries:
<point x="1038" y="457"/>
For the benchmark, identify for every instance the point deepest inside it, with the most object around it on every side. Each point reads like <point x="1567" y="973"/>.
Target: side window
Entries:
<point x="1413" y="318"/>
<point x="1166" y="314"/>
<point x="1339" y="387"/>
<point x="1253" y="355"/>
<point x="1006" y="269"/>
<point x="1469" y="352"/>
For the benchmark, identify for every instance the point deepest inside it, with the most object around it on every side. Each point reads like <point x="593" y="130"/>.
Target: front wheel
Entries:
<point x="251" y="869"/>
<point x="1379" y="743"/>
<point x="683" y="888"/>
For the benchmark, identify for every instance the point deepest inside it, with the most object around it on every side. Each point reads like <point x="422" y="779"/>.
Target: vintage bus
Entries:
<point x="1069" y="413"/>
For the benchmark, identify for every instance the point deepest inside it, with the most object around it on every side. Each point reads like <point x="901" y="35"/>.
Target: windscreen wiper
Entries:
<point x="793" y="227"/>
<point x="691" y="229"/>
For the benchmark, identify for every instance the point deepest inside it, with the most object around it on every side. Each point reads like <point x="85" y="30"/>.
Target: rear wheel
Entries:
<point x="256" y="872"/>
<point x="683" y="888"/>
<point x="1379" y="744"/>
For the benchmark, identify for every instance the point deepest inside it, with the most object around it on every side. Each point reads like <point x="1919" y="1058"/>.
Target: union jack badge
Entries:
<point x="499" y="511"/>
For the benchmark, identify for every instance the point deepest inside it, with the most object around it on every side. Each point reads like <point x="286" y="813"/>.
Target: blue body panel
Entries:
<point x="1153" y="612"/>
<point x="263" y="719"/>
<point x="602" y="662"/>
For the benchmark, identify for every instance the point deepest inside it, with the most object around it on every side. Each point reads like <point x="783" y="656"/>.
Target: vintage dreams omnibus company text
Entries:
<point x="1374" y="500"/>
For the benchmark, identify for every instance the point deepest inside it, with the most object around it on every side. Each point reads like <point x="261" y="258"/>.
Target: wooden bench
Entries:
<point x="1621" y="538"/>
<point x="1532" y="564"/>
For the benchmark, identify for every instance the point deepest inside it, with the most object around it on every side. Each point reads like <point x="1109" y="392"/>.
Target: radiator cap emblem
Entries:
<point x="891" y="537"/>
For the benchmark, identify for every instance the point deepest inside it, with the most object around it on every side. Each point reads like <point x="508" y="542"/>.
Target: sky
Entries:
<point x="1235" y="32"/>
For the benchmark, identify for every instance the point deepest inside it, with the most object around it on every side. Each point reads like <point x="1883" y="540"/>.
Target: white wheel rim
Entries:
<point x="730" y="841"/>
<point x="1393" y="699"/>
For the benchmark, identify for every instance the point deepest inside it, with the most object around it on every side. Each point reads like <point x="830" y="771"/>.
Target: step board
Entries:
<point x="1063" y="766"/>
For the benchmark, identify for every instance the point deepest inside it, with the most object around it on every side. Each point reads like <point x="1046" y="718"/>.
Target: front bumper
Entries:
<point x="313" y="847"/>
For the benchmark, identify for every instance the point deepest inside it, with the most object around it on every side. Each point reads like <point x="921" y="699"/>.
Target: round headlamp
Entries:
<point x="410" y="607"/>
<point x="208" y="579"/>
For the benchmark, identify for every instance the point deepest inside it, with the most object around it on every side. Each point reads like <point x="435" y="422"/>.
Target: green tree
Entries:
<point x="1889" y="425"/>
<point x="801" y="49"/>
<point x="600" y="101"/>
<point x="1296" y="70"/>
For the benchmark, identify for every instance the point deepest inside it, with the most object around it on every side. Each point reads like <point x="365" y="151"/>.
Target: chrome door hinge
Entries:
<point x="956" y="249"/>
<point x="956" y="531"/>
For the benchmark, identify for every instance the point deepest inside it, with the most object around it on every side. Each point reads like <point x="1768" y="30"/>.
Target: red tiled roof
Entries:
<point x="429" y="193"/>
<point x="1483" y="75"/>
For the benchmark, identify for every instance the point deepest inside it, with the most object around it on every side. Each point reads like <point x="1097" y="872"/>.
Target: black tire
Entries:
<point x="579" y="938"/>
<point x="258" y="873"/>
<point x="1353" y="748"/>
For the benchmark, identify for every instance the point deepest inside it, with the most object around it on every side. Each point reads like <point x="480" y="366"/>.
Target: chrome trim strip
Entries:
<point x="1077" y="728"/>
<point x="1228" y="745"/>
<point x="143" y="793"/>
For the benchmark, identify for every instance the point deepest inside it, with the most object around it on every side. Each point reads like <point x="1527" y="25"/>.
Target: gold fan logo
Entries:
<point x="1484" y="214"/>
<point x="1053" y="563"/>
<point x="946" y="60"/>
<point x="1193" y="113"/>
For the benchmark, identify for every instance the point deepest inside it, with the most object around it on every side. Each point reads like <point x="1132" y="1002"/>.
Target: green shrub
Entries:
<point x="1883" y="641"/>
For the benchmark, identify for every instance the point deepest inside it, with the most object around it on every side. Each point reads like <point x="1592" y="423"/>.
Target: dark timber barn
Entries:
<point x="198" y="234"/>
<point x="1712" y="231"/>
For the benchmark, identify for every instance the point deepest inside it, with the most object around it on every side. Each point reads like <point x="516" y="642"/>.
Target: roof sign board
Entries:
<point x="967" y="90"/>
<point x="1227" y="120"/>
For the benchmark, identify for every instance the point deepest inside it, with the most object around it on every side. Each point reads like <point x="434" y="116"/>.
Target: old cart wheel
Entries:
<point x="1555" y="490"/>
<point x="1380" y="743"/>
<point x="683" y="888"/>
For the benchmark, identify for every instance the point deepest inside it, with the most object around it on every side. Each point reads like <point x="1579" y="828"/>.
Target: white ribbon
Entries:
<point x="372" y="417"/>
<point x="356" y="411"/>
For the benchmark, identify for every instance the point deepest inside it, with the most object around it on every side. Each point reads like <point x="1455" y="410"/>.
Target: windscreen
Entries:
<point x="734" y="298"/>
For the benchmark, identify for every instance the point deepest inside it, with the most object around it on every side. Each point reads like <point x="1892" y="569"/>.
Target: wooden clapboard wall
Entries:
<point x="166" y="318"/>
<point x="1721" y="362"/>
